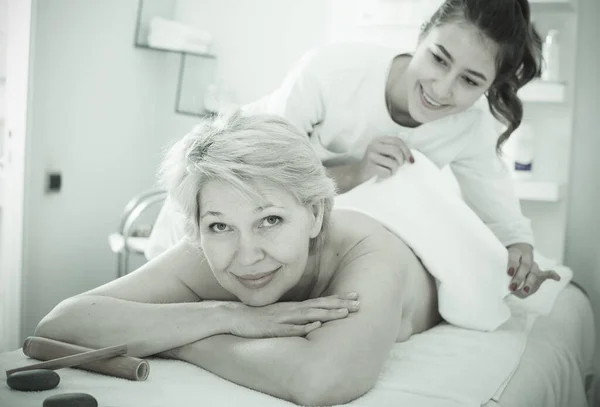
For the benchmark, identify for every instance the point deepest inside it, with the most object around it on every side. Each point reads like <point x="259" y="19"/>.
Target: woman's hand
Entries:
<point x="526" y="275"/>
<point x="383" y="157"/>
<point x="291" y="318"/>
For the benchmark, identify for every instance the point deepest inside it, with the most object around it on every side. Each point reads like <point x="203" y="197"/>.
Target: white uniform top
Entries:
<point x="336" y="94"/>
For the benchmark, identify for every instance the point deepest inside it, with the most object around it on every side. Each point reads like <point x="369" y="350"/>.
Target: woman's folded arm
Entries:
<point x="98" y="321"/>
<point x="151" y="310"/>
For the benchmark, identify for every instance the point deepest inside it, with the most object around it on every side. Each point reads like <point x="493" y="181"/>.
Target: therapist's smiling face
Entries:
<point x="257" y="248"/>
<point x="451" y="69"/>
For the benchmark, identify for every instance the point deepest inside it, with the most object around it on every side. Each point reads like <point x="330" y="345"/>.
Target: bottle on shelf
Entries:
<point x="518" y="152"/>
<point x="551" y="57"/>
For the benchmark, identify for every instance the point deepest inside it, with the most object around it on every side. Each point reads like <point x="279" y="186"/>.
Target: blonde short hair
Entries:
<point x="239" y="148"/>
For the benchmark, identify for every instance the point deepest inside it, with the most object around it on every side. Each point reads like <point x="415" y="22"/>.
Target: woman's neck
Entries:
<point x="396" y="92"/>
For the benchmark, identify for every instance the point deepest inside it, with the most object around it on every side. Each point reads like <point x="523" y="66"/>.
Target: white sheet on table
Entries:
<point x="558" y="358"/>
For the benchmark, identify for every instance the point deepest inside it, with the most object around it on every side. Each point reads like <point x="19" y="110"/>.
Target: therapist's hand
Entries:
<point x="383" y="157"/>
<point x="526" y="275"/>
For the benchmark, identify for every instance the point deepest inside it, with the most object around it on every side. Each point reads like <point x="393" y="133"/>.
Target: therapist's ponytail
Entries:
<point x="508" y="24"/>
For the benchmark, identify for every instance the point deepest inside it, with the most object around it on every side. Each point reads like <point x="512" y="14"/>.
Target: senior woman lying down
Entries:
<point x="271" y="289"/>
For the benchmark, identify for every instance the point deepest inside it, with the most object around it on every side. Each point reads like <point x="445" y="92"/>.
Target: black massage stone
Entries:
<point x="33" y="380"/>
<point x="71" y="400"/>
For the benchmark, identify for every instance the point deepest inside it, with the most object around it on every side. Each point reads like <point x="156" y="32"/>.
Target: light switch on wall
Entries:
<point x="53" y="182"/>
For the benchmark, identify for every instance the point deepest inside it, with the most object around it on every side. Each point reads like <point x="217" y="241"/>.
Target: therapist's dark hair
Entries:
<point x="508" y="24"/>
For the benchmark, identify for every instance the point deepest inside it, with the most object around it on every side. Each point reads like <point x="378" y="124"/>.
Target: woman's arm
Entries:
<point x="153" y="309"/>
<point x="339" y="361"/>
<point x="488" y="187"/>
<point x="273" y="366"/>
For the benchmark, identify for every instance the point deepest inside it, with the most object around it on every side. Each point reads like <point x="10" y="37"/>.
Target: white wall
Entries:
<point x="19" y="19"/>
<point x="583" y="217"/>
<point x="393" y="24"/>
<point x="3" y="28"/>
<point x="256" y="43"/>
<point x="93" y="118"/>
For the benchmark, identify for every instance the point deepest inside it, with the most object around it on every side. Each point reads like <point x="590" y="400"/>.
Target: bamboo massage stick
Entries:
<point x="122" y="366"/>
<point x="74" y="360"/>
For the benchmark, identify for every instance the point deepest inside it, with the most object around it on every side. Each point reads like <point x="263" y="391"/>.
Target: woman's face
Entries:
<point x="257" y="248"/>
<point x="451" y="69"/>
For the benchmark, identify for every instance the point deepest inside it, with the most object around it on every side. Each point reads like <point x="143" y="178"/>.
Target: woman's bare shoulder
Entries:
<point x="353" y="234"/>
<point x="348" y="228"/>
<point x="367" y="244"/>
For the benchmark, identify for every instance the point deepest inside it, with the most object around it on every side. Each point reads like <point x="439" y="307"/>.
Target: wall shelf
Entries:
<point x="545" y="191"/>
<point x="552" y="5"/>
<point x="543" y="92"/>
<point x="172" y="51"/>
<point x="196" y="69"/>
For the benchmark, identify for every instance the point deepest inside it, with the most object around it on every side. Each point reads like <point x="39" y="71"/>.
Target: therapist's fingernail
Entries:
<point x="513" y="287"/>
<point x="412" y="160"/>
<point x="526" y="289"/>
<point x="511" y="271"/>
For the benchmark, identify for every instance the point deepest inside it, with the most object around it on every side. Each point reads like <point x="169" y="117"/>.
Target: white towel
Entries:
<point x="459" y="250"/>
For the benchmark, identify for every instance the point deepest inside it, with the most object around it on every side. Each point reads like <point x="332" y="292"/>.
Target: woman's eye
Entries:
<point x="438" y="59"/>
<point x="271" y="220"/>
<point x="218" y="227"/>
<point x="470" y="81"/>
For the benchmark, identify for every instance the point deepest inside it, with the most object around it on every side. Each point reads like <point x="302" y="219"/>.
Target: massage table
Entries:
<point x="432" y="369"/>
